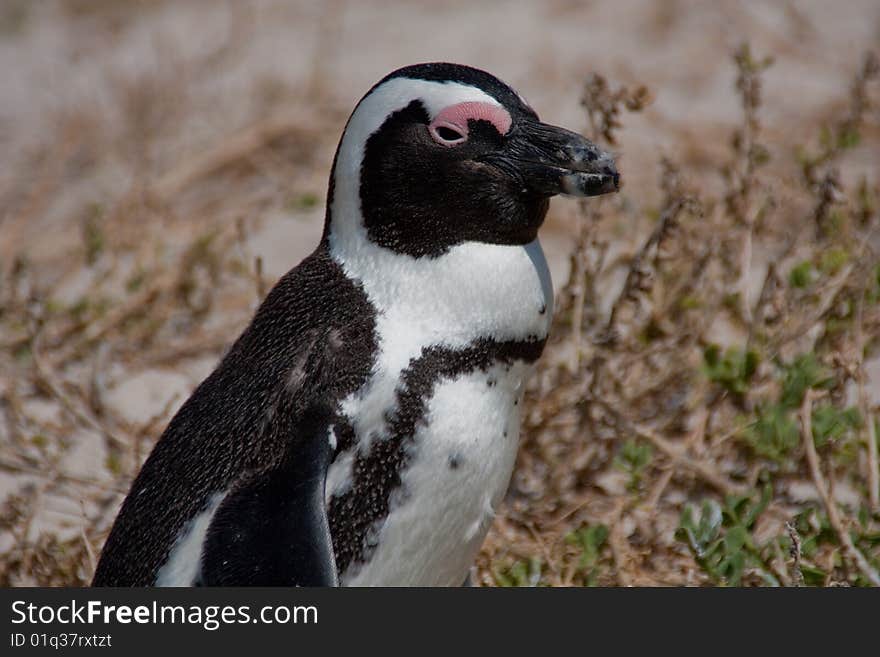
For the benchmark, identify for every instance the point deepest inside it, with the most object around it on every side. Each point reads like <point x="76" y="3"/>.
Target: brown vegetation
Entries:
<point x="706" y="412"/>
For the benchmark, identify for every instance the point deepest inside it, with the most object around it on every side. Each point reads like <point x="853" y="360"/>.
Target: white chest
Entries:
<point x="461" y="454"/>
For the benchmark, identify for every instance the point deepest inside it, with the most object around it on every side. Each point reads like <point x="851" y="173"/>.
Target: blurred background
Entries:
<point x="706" y="411"/>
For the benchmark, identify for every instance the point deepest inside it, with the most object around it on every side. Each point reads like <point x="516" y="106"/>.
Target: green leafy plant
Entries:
<point x="774" y="434"/>
<point x="775" y="431"/>
<point x="633" y="457"/>
<point x="833" y="260"/>
<point x="803" y="373"/>
<point x="733" y="369"/>
<point x="721" y="538"/>
<point x="590" y="539"/>
<point x="802" y="274"/>
<point x="833" y="424"/>
<point x="520" y="573"/>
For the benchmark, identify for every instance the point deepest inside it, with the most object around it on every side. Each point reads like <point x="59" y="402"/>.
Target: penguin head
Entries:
<point x="435" y="155"/>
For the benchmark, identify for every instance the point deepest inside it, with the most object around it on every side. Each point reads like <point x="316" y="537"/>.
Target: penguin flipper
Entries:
<point x="271" y="529"/>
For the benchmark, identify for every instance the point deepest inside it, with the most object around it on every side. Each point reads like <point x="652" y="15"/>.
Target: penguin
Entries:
<point x="363" y="428"/>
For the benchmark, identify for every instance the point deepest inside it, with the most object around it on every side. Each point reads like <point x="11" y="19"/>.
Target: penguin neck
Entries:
<point x="474" y="290"/>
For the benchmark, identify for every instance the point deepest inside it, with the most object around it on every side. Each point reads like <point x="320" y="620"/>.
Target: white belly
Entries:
<point x="438" y="517"/>
<point x="459" y="468"/>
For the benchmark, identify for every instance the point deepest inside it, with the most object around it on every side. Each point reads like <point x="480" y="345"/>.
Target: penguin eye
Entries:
<point x="447" y="134"/>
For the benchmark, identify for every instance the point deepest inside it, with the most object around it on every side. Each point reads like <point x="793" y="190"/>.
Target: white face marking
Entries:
<point x="185" y="559"/>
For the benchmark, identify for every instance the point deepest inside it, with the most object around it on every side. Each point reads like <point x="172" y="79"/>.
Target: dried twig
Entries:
<point x="873" y="464"/>
<point x="619" y="546"/>
<point x="873" y="478"/>
<point x="41" y="471"/>
<point x="87" y="544"/>
<point x="703" y="469"/>
<point x="830" y="505"/>
<point x="48" y="377"/>
<point x="639" y="277"/>
<point x="797" y="576"/>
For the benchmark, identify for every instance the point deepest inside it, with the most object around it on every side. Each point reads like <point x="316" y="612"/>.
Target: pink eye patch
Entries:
<point x="450" y="126"/>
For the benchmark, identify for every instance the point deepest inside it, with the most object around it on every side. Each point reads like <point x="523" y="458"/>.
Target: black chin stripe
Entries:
<point x="355" y="517"/>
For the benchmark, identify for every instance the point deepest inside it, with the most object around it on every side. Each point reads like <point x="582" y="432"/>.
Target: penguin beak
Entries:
<point x="554" y="161"/>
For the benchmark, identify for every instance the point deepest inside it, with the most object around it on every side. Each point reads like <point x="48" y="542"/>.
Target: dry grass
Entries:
<point x="703" y="414"/>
